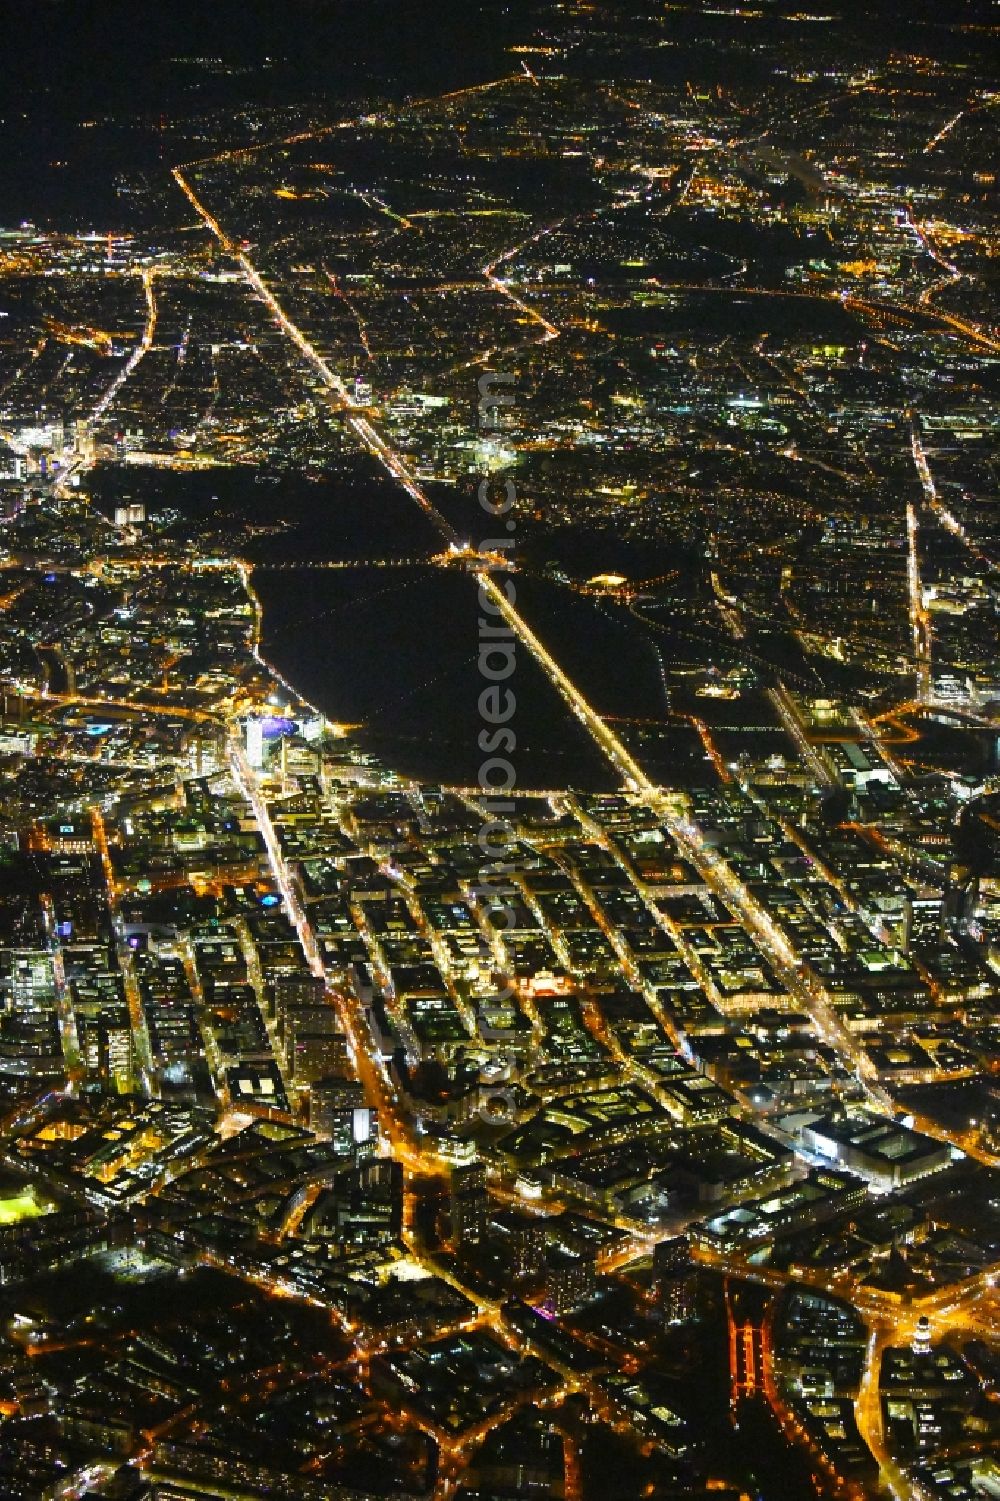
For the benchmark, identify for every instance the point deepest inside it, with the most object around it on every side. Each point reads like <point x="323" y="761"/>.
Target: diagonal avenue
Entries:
<point x="715" y="870"/>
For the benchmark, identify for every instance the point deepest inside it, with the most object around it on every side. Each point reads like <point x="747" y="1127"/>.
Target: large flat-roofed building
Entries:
<point x="883" y="1151"/>
<point x="818" y="1197"/>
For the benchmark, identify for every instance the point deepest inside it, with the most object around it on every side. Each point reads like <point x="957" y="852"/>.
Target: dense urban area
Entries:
<point x="500" y="776"/>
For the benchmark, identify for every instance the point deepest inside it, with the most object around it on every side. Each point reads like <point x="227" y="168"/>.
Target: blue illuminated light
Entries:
<point x="276" y="726"/>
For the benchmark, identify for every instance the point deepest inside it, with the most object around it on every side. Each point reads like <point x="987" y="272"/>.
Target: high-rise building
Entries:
<point x="83" y="439"/>
<point x="468" y="1203"/>
<point x="290" y="991"/>
<point x="328" y="1097"/>
<point x="114" y="1044"/>
<point x="312" y="1041"/>
<point x="673" y="1279"/>
<point x="11" y="499"/>
<point x="255" y="742"/>
<point x="570" y="1277"/>
<point x="314" y="1055"/>
<point x="337" y="1110"/>
<point x="523" y="1237"/>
